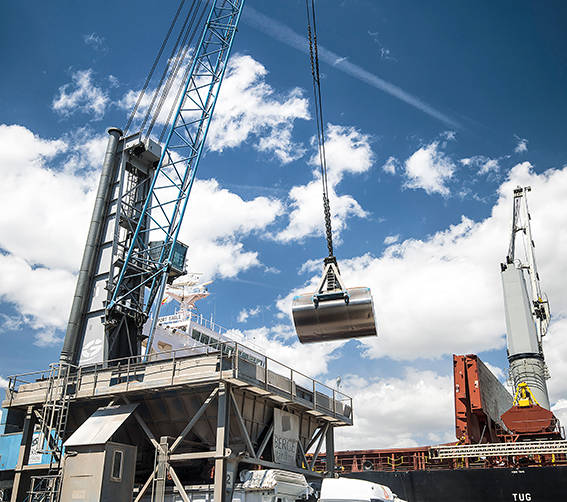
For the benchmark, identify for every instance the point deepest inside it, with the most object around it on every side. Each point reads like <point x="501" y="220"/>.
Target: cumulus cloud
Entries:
<point x="391" y="239"/>
<point x="483" y="164"/>
<point x="347" y="151"/>
<point x="443" y="294"/>
<point x="248" y="109"/>
<point x="41" y="243"/>
<point x="244" y="314"/>
<point x="3" y="383"/>
<point x="555" y="350"/>
<point x="42" y="295"/>
<point x="248" y="106"/>
<point x="399" y="412"/>
<point x="498" y="372"/>
<point x="560" y="410"/>
<point x="216" y="221"/>
<point x="81" y="94"/>
<point x="429" y="169"/>
<point x="521" y="145"/>
<point x="275" y="343"/>
<point x="36" y="218"/>
<point x="390" y="165"/>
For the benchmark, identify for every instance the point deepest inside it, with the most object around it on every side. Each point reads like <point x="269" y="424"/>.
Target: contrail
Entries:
<point x="284" y="34"/>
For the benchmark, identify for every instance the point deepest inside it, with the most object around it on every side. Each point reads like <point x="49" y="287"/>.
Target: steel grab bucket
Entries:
<point x="334" y="319"/>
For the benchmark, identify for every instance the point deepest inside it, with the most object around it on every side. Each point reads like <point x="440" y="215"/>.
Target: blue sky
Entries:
<point x="435" y="111"/>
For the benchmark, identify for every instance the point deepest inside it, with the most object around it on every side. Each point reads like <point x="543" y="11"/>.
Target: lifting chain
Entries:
<point x="314" y="58"/>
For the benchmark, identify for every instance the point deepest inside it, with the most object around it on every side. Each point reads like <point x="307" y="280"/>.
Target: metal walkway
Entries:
<point x="500" y="449"/>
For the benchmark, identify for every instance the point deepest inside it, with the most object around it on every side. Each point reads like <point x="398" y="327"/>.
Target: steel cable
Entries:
<point x="314" y="58"/>
<point x="154" y="66"/>
<point x="165" y="127"/>
<point x="190" y="28"/>
<point x="160" y="89"/>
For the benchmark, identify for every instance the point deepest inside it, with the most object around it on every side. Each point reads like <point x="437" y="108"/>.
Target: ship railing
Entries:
<point x="201" y="320"/>
<point x="237" y="361"/>
<point x="193" y="316"/>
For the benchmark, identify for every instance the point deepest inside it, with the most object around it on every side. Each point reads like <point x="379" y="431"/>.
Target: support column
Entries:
<point x="19" y="489"/>
<point x="330" y="450"/>
<point x="74" y="335"/>
<point x="161" y="476"/>
<point x="222" y="435"/>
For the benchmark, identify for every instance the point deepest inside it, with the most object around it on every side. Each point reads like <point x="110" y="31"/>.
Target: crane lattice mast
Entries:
<point x="173" y="180"/>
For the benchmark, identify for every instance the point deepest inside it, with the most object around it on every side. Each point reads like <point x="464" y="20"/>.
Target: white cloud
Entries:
<point x="391" y="239"/>
<point x="347" y="151"/>
<point x="249" y="106"/>
<point x="429" y="169"/>
<point x="46" y="198"/>
<point x="47" y="337"/>
<point x="273" y="342"/>
<point x="442" y="295"/>
<point x="390" y="165"/>
<point x="555" y="349"/>
<point x="496" y="371"/>
<point x="42" y="295"/>
<point x="81" y="94"/>
<point x="398" y="412"/>
<point x="95" y="41"/>
<point x="36" y="222"/>
<point x="11" y="323"/>
<point x="483" y="164"/>
<point x="3" y="383"/>
<point x="244" y="314"/>
<point x="449" y="135"/>
<point x="521" y="145"/>
<point x="215" y="222"/>
<point x="248" y="109"/>
<point x="560" y="410"/>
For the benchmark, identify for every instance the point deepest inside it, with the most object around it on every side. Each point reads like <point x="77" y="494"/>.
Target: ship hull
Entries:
<point x="530" y="484"/>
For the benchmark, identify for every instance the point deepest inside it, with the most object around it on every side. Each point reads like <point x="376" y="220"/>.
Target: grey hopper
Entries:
<point x="333" y="312"/>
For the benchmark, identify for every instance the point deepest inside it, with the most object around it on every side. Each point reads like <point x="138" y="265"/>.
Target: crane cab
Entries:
<point x="333" y="312"/>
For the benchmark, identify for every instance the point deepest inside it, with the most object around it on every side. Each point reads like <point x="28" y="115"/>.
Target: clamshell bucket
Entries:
<point x="333" y="312"/>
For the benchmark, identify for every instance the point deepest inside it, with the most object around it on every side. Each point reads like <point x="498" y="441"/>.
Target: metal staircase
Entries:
<point x="53" y="424"/>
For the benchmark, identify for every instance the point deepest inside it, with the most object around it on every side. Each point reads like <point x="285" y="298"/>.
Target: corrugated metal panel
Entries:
<point x="101" y="425"/>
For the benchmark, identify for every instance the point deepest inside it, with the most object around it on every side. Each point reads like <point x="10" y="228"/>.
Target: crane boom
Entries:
<point x="527" y="313"/>
<point x="166" y="202"/>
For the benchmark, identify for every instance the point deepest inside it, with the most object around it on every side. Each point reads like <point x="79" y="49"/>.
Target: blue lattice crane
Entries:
<point x="132" y="248"/>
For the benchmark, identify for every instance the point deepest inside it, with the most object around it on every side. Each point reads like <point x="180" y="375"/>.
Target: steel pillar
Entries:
<point x="330" y="450"/>
<point x="222" y="435"/>
<point x="162" y="468"/>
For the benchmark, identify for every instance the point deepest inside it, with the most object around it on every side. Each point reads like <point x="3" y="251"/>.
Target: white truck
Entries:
<point x="351" y="490"/>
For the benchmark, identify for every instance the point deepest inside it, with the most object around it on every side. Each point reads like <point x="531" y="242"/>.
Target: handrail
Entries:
<point x="228" y="349"/>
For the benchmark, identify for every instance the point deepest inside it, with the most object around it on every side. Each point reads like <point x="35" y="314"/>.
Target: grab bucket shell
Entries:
<point x="334" y="319"/>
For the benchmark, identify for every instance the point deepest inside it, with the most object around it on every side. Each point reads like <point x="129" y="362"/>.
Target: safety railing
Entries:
<point x="235" y="360"/>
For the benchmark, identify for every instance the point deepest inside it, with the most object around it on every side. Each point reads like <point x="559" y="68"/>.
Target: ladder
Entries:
<point x="53" y="424"/>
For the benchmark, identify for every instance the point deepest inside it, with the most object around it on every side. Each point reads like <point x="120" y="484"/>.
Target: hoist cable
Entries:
<point x="174" y="103"/>
<point x="160" y="89"/>
<point x="314" y="58"/>
<point x="188" y="40"/>
<point x="154" y="66"/>
<point x="188" y="34"/>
